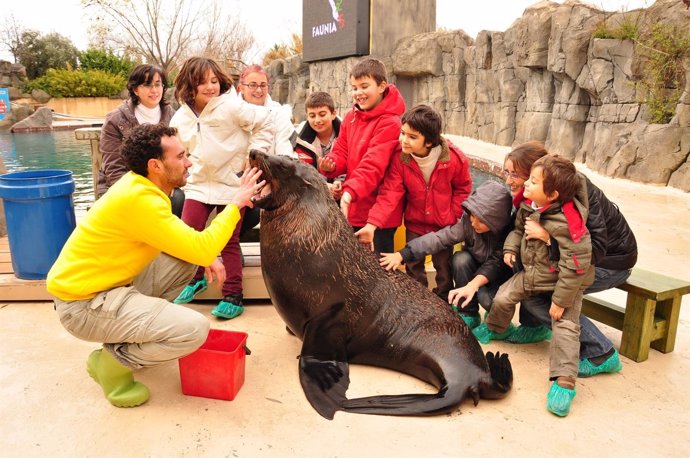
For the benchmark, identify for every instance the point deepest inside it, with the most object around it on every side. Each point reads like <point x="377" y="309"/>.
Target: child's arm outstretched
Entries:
<point x="468" y="291"/>
<point x="391" y="261"/>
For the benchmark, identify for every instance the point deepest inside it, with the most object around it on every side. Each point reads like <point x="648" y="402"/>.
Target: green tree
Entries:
<point x="38" y="53"/>
<point x="106" y="60"/>
<point x="79" y="83"/>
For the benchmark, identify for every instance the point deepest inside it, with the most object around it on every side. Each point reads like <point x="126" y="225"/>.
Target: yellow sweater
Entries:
<point x="123" y="232"/>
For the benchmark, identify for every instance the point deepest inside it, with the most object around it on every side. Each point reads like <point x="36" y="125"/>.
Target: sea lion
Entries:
<point x="332" y="294"/>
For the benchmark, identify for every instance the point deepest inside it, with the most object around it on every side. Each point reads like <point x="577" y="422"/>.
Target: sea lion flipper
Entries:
<point x="324" y="383"/>
<point x="501" y="376"/>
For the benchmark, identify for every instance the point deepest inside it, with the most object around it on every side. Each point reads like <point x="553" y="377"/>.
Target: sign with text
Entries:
<point x="4" y="102"/>
<point x="334" y="28"/>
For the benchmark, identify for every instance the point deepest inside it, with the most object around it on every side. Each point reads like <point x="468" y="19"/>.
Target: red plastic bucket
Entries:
<point x="216" y="369"/>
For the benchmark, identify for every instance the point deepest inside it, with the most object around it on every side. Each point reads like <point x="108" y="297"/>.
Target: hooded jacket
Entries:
<point x="365" y="146"/>
<point x="218" y="142"/>
<point x="491" y="203"/>
<point x="427" y="207"/>
<point x="565" y="266"/>
<point x="117" y="126"/>
<point x="613" y="242"/>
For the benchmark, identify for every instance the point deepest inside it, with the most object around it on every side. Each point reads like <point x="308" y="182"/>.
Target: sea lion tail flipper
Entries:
<point x="324" y="383"/>
<point x="501" y="376"/>
<point x="403" y="404"/>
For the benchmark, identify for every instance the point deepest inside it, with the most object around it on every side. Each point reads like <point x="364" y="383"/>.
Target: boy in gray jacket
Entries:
<point x="478" y="267"/>
<point x="564" y="268"/>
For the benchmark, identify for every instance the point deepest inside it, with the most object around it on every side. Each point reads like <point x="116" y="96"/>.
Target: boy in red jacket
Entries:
<point x="367" y="141"/>
<point x="432" y="177"/>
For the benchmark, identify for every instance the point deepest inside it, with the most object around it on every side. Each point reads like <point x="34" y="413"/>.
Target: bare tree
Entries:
<point x="11" y="36"/>
<point x="167" y="32"/>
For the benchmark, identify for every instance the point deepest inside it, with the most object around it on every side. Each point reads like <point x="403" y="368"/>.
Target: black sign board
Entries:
<point x="334" y="28"/>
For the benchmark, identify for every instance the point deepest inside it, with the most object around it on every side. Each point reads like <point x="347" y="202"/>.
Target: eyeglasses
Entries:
<point x="254" y="86"/>
<point x="154" y="85"/>
<point x="513" y="175"/>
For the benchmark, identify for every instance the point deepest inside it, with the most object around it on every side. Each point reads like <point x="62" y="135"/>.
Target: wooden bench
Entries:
<point x="649" y="317"/>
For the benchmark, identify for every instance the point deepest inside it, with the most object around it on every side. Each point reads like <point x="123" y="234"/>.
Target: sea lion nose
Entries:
<point x="253" y="155"/>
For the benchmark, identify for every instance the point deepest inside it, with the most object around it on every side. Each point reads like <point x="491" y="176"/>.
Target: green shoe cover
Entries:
<point x="559" y="399"/>
<point x="610" y="366"/>
<point x="116" y="380"/>
<point x="530" y="334"/>
<point x="472" y="321"/>
<point x="227" y="310"/>
<point x="189" y="291"/>
<point x="484" y="335"/>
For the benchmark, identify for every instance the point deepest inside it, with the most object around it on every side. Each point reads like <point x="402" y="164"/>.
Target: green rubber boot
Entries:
<point x="116" y="380"/>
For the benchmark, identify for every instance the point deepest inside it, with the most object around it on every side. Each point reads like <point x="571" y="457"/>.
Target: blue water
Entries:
<point x="51" y="150"/>
<point x="60" y="150"/>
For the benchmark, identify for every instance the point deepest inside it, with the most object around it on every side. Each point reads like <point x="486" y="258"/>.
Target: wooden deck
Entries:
<point x="15" y="289"/>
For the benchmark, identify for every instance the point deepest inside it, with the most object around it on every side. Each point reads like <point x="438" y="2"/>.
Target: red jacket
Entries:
<point x="431" y="207"/>
<point x="365" y="146"/>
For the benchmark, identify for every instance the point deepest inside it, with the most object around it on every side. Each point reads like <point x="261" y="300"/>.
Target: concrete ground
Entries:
<point x="50" y="407"/>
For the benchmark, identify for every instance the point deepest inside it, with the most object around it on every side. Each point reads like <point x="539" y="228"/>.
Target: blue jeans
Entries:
<point x="464" y="268"/>
<point x="534" y="311"/>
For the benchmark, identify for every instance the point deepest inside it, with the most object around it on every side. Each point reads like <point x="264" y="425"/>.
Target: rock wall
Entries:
<point x="544" y="78"/>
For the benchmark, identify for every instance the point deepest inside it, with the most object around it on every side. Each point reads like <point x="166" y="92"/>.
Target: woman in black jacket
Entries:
<point x="614" y="253"/>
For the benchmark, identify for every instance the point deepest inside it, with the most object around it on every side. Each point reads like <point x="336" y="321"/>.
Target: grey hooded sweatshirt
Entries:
<point x="492" y="204"/>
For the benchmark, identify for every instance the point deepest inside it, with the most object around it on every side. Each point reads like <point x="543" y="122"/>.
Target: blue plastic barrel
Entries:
<point x="39" y="211"/>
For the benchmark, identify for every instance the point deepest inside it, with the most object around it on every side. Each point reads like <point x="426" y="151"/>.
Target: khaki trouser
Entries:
<point x="138" y="323"/>
<point x="565" y="343"/>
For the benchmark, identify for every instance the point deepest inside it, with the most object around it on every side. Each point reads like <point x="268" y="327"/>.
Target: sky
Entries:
<point x="274" y="21"/>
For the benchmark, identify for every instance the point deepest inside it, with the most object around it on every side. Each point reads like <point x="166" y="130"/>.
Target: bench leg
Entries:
<point x="669" y="310"/>
<point x="638" y="328"/>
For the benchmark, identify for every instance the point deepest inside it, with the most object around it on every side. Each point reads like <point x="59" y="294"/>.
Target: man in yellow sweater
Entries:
<point x="129" y="258"/>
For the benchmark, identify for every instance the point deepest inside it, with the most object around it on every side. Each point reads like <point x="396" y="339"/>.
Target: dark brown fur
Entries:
<point x="332" y="294"/>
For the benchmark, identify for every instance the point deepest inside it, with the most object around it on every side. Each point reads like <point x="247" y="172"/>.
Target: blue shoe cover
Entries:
<point x="227" y="310"/>
<point x="610" y="366"/>
<point x="530" y="334"/>
<point x="559" y="399"/>
<point x="189" y="291"/>
<point x="472" y="321"/>
<point x="484" y="335"/>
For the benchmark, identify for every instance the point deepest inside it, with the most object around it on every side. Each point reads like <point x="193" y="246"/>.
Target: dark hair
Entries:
<point x="144" y="74"/>
<point x="426" y="121"/>
<point x="253" y="68"/>
<point x="559" y="175"/>
<point x="525" y="155"/>
<point x="370" y="67"/>
<point x="143" y="144"/>
<point x="193" y="73"/>
<point x="320" y="99"/>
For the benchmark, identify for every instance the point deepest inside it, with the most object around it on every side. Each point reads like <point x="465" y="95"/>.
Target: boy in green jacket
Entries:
<point x="564" y="268"/>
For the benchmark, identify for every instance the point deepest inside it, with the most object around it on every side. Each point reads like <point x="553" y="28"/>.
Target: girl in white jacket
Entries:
<point x="218" y="129"/>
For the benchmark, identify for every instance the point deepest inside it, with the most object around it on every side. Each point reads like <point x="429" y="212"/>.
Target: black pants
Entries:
<point x="383" y="240"/>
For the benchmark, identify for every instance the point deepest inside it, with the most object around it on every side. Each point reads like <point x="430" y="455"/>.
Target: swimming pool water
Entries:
<point x="61" y="150"/>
